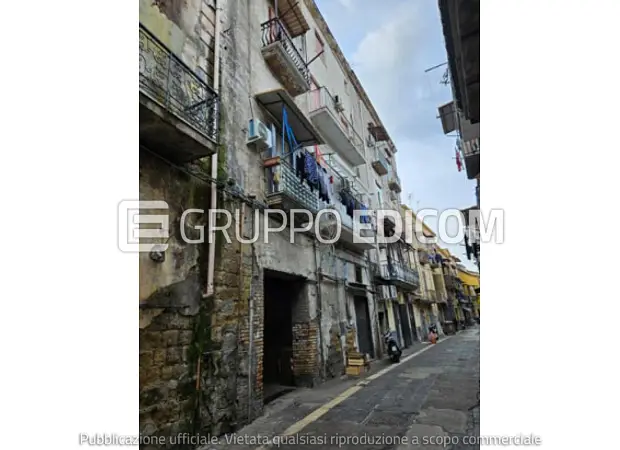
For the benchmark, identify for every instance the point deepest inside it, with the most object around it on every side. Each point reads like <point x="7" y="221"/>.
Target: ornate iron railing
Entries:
<point x="282" y="179"/>
<point x="274" y="31"/>
<point x="170" y="82"/>
<point x="404" y="274"/>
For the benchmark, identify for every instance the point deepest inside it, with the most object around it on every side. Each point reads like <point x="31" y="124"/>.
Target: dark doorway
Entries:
<point x="414" y="326"/>
<point x="281" y="294"/>
<point x="404" y="318"/>
<point x="364" y="333"/>
<point x="399" y="333"/>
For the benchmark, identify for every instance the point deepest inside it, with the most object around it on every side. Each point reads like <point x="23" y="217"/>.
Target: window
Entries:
<point x="320" y="47"/>
<point x="346" y="87"/>
<point x="379" y="194"/>
<point x="358" y="274"/>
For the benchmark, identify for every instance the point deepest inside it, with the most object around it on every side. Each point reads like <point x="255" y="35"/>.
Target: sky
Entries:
<point x="389" y="44"/>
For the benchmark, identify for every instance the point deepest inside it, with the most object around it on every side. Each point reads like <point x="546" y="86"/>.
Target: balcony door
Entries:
<point x="315" y="95"/>
<point x="279" y="31"/>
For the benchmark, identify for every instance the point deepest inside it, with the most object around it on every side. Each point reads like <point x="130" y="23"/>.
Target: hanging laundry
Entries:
<point x="324" y="181"/>
<point x="311" y="170"/>
<point x="459" y="163"/>
<point x="322" y="186"/>
<point x="300" y="166"/>
<point x="348" y="202"/>
<point x="365" y="218"/>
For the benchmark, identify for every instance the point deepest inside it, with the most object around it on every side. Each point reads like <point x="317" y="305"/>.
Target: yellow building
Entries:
<point x="471" y="284"/>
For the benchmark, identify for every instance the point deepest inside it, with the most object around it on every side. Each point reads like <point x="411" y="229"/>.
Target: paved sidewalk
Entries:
<point x="429" y="394"/>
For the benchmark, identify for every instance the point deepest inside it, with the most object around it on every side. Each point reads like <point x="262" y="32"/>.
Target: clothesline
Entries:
<point x="309" y="168"/>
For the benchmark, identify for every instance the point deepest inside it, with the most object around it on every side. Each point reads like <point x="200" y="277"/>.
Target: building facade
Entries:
<point x="471" y="289"/>
<point x="461" y="30"/>
<point x="251" y="108"/>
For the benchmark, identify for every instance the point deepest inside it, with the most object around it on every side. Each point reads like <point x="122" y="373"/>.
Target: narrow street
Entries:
<point x="432" y="394"/>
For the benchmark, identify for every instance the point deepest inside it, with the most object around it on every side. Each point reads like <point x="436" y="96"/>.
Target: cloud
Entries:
<point x="390" y="44"/>
<point x="347" y="3"/>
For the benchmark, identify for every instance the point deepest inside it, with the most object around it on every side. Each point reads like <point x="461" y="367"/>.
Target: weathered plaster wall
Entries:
<point x="170" y="300"/>
<point x="187" y="28"/>
<point x="201" y="358"/>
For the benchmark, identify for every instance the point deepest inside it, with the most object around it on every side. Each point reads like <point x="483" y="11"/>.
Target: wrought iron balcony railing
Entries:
<point x="282" y="180"/>
<point x="380" y="270"/>
<point x="169" y="81"/>
<point x="273" y="31"/>
<point x="404" y="274"/>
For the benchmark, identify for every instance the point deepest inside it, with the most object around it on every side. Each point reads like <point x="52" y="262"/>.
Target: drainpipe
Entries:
<point x="214" y="160"/>
<point x="251" y="326"/>
<point x="319" y="305"/>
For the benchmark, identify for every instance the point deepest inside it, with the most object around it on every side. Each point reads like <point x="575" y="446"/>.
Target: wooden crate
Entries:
<point x="356" y="362"/>
<point x="355" y="370"/>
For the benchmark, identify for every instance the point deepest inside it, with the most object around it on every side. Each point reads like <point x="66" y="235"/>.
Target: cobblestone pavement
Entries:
<point x="430" y="401"/>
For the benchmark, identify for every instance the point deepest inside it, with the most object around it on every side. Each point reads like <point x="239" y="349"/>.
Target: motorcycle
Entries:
<point x="394" y="351"/>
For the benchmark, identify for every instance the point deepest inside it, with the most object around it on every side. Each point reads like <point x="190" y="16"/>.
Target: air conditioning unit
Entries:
<point x="338" y="104"/>
<point x="259" y="135"/>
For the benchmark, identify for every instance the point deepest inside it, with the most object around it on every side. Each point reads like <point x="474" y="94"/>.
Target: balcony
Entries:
<point x="380" y="272"/>
<point x="423" y="256"/>
<point x="453" y="283"/>
<point x="404" y="277"/>
<point x="178" y="111"/>
<point x="394" y="182"/>
<point x="285" y="190"/>
<point x="283" y="57"/>
<point x="350" y="235"/>
<point x="327" y="115"/>
<point x="396" y="274"/>
<point x="378" y="132"/>
<point x="380" y="163"/>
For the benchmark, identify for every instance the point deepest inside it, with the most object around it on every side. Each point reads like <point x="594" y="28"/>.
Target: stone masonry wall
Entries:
<point x="170" y="300"/>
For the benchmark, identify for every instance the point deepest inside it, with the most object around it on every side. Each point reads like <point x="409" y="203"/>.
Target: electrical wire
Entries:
<point x="222" y="185"/>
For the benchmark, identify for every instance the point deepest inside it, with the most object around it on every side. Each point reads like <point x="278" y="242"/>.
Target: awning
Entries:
<point x="289" y="12"/>
<point x="274" y="101"/>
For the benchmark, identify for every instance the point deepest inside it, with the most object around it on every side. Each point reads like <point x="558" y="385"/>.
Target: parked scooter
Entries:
<point x="394" y="351"/>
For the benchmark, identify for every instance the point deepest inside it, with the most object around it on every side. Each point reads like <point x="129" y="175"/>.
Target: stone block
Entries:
<point x="185" y="337"/>
<point x="146" y="358"/>
<point x="171" y="338"/>
<point x="174" y="355"/>
<point x="159" y="357"/>
<point x="149" y="339"/>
